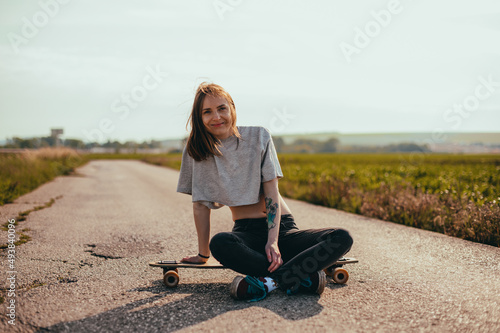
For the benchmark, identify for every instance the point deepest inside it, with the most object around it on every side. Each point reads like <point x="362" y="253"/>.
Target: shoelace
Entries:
<point x="305" y="283"/>
<point x="256" y="287"/>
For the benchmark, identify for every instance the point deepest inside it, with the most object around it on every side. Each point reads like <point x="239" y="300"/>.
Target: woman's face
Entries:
<point x="216" y="116"/>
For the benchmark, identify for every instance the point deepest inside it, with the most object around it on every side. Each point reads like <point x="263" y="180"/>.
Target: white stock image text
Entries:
<point x="11" y="273"/>
<point x="127" y="101"/>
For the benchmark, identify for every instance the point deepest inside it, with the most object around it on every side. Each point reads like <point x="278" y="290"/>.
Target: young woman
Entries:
<point x="223" y="164"/>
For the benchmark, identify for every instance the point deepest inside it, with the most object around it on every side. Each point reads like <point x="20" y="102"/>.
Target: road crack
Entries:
<point x="22" y="216"/>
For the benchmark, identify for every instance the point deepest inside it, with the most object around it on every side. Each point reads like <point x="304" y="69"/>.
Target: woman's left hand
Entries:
<point x="274" y="256"/>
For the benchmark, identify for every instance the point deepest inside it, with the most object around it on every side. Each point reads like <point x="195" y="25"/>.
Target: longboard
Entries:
<point x="171" y="273"/>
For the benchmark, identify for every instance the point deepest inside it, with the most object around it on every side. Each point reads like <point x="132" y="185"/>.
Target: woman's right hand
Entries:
<point x="194" y="259"/>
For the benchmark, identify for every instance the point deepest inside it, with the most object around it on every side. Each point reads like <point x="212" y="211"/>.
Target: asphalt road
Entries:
<point x="86" y="267"/>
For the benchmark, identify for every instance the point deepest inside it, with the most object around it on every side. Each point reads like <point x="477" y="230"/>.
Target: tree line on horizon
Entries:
<point x="333" y="145"/>
<point x="49" y="141"/>
<point x="299" y="146"/>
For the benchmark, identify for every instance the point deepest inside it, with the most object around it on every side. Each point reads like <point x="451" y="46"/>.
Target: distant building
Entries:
<point x="55" y="134"/>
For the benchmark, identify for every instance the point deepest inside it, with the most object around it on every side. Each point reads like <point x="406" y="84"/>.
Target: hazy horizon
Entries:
<point x="125" y="70"/>
<point x="428" y="136"/>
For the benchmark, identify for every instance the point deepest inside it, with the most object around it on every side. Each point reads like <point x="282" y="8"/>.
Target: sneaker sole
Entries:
<point x="233" y="289"/>
<point x="321" y="282"/>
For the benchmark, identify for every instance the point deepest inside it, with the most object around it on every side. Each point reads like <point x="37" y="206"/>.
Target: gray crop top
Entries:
<point x="236" y="177"/>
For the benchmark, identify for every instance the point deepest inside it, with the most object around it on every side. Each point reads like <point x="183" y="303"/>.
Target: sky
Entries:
<point x="128" y="69"/>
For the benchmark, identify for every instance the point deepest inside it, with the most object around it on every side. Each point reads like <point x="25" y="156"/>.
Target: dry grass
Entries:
<point x="22" y="172"/>
<point x="167" y="160"/>
<point x="53" y="153"/>
<point x="463" y="219"/>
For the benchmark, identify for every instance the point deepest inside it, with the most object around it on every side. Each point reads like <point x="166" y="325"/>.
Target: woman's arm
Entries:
<point x="201" y="215"/>
<point x="273" y="213"/>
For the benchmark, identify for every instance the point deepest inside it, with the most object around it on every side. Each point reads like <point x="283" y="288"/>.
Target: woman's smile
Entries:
<point x="216" y="116"/>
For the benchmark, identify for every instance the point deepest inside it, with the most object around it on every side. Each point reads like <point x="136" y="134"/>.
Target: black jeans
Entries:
<point x="303" y="251"/>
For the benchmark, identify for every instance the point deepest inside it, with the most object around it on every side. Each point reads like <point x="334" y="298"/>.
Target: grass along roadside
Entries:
<point x="172" y="160"/>
<point x="24" y="238"/>
<point x="21" y="173"/>
<point x="458" y="195"/>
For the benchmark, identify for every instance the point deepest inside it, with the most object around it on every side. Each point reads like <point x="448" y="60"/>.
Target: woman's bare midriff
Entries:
<point x="257" y="210"/>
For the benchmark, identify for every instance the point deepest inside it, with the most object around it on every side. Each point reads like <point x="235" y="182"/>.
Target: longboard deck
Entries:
<point x="214" y="264"/>
<point x="210" y="264"/>
<point x="171" y="276"/>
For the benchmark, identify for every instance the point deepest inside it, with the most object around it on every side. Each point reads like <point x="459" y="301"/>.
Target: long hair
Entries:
<point x="201" y="144"/>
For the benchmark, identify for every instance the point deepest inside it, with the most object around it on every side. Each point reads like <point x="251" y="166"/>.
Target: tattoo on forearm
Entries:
<point x="271" y="208"/>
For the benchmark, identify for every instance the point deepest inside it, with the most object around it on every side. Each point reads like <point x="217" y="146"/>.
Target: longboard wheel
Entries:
<point x="171" y="279"/>
<point x="340" y="275"/>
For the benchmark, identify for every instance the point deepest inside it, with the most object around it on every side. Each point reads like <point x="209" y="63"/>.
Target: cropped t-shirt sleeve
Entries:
<point x="270" y="165"/>
<point x="185" y="184"/>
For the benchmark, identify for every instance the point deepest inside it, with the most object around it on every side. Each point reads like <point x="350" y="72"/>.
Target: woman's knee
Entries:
<point x="220" y="243"/>
<point x="340" y="237"/>
<point x="345" y="237"/>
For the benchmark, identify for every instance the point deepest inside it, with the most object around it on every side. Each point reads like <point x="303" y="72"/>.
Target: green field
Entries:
<point x="458" y="195"/>
<point x="453" y="194"/>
